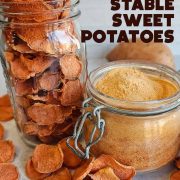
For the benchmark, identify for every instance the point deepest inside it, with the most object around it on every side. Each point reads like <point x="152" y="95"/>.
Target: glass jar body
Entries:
<point x="45" y="69"/>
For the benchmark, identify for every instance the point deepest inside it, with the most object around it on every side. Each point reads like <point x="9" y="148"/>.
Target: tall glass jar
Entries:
<point x="44" y="65"/>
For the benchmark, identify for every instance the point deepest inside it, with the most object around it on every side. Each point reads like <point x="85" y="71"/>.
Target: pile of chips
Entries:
<point x="7" y="152"/>
<point x="44" y="67"/>
<point x="50" y="162"/>
<point x="176" y="175"/>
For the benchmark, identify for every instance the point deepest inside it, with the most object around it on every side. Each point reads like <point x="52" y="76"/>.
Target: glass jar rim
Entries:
<point x="160" y="106"/>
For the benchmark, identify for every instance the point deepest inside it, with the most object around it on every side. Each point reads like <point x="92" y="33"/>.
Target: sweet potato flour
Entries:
<point x="134" y="85"/>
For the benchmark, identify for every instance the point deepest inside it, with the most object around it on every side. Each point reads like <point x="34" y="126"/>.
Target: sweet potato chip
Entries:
<point x="1" y="131"/>
<point x="49" y="81"/>
<point x="177" y="162"/>
<point x="30" y="128"/>
<point x="85" y="168"/>
<point x="47" y="158"/>
<point x="8" y="172"/>
<point x="7" y="151"/>
<point x="6" y="113"/>
<point x="104" y="174"/>
<point x="48" y="114"/>
<point x="175" y="175"/>
<point x="45" y="130"/>
<point x="122" y="171"/>
<point x="70" y="159"/>
<point x="71" y="66"/>
<point x="5" y="100"/>
<point x="61" y="174"/>
<point x="22" y="101"/>
<point x="9" y="56"/>
<point x="72" y="93"/>
<point x="32" y="173"/>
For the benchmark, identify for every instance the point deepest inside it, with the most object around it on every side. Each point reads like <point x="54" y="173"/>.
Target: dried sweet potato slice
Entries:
<point x="104" y="174"/>
<point x="48" y="114"/>
<point x="1" y="131"/>
<point x="45" y="130"/>
<point x="22" y="101"/>
<point x="6" y="113"/>
<point x="30" y="128"/>
<point x="85" y="168"/>
<point x="47" y="158"/>
<point x="49" y="81"/>
<point x="175" y="175"/>
<point x="5" y="100"/>
<point x="8" y="171"/>
<point x="71" y="66"/>
<point x="70" y="159"/>
<point x="122" y="171"/>
<point x="177" y="162"/>
<point x="32" y="173"/>
<point x="9" y="56"/>
<point x="7" y="151"/>
<point x="61" y="174"/>
<point x="72" y="93"/>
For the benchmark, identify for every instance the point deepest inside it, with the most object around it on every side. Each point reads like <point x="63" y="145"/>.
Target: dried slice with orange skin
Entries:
<point x="45" y="130"/>
<point x="70" y="159"/>
<point x="72" y="93"/>
<point x="47" y="158"/>
<point x="85" y="168"/>
<point x="177" y="162"/>
<point x="104" y="174"/>
<point x="7" y="151"/>
<point x="22" y="101"/>
<point x="32" y="173"/>
<point x="71" y="66"/>
<point x="122" y="171"/>
<point x="48" y="114"/>
<point x="61" y="174"/>
<point x="8" y="172"/>
<point x="5" y="100"/>
<point x="175" y="175"/>
<point x="1" y="131"/>
<point x="30" y="128"/>
<point x="6" y="113"/>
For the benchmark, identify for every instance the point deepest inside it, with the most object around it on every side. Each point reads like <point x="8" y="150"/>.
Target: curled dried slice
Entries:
<point x="6" y="113"/>
<point x="175" y="175"/>
<point x="7" y="151"/>
<point x="61" y="174"/>
<point x="30" y="128"/>
<point x="70" y="159"/>
<point x="5" y="100"/>
<point x="104" y="174"/>
<point x="48" y="114"/>
<point x="85" y="168"/>
<point x="72" y="93"/>
<point x="32" y="173"/>
<point x="49" y="81"/>
<point x="122" y="171"/>
<point x="8" y="171"/>
<point x="71" y="66"/>
<point x="177" y="162"/>
<point x="47" y="158"/>
<point x="1" y="131"/>
<point x="44" y="131"/>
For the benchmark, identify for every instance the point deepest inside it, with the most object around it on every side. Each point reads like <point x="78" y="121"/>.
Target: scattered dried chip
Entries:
<point x="49" y="81"/>
<point x="6" y="113"/>
<point x="177" y="162"/>
<point x="32" y="173"/>
<point x="1" y="131"/>
<point x="8" y="171"/>
<point x="70" y="159"/>
<point x="85" y="168"/>
<point x="72" y="93"/>
<point x="104" y="174"/>
<point x="5" y="100"/>
<point x="7" y="151"/>
<point x="71" y="66"/>
<point x="122" y="171"/>
<point x="61" y="174"/>
<point x="48" y="114"/>
<point x="30" y="128"/>
<point x="47" y="158"/>
<point x="175" y="175"/>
